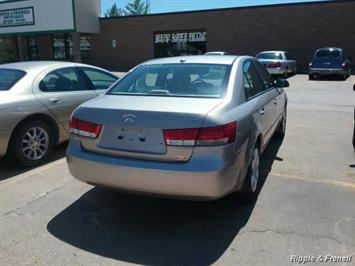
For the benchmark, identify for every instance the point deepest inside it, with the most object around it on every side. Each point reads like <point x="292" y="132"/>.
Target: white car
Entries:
<point x="278" y="62"/>
<point x="216" y="53"/>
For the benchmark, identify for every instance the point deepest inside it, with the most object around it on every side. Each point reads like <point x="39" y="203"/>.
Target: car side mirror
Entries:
<point x="281" y="83"/>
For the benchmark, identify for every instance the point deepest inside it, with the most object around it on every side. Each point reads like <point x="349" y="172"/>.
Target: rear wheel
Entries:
<point x="32" y="143"/>
<point x="311" y="77"/>
<point x="251" y="183"/>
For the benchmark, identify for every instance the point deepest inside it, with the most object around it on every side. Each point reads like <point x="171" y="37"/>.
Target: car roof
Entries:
<point x="195" y="59"/>
<point x="272" y="52"/>
<point x="216" y="52"/>
<point x="329" y="48"/>
<point x="38" y="66"/>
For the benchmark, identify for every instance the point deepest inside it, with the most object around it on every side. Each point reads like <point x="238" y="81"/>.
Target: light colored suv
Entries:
<point x="278" y="62"/>
<point x="191" y="127"/>
<point x="36" y="100"/>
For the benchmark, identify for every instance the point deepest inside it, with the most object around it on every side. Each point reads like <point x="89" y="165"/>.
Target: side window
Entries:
<point x="64" y="79"/>
<point x="99" y="79"/>
<point x="252" y="83"/>
<point x="264" y="75"/>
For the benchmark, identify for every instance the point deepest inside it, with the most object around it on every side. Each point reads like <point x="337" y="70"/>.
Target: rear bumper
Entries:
<point x="203" y="178"/>
<point x="4" y="141"/>
<point x="327" y="71"/>
<point x="276" y="70"/>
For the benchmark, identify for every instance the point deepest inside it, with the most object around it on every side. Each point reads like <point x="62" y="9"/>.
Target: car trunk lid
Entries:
<point x="270" y="63"/>
<point x="133" y="125"/>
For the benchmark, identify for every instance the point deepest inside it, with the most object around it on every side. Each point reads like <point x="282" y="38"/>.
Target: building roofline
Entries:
<point x="316" y="2"/>
<point x="10" y="1"/>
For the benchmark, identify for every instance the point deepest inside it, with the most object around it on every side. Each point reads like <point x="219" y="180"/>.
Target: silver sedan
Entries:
<point x="190" y="127"/>
<point x="278" y="62"/>
<point x="36" y="100"/>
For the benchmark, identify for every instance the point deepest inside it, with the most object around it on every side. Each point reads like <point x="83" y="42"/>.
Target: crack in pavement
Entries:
<point x="28" y="203"/>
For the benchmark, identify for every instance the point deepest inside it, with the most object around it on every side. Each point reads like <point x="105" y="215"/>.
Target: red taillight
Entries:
<point x="201" y="136"/>
<point x="217" y="135"/>
<point x="181" y="137"/>
<point x="276" y="64"/>
<point x="84" y="128"/>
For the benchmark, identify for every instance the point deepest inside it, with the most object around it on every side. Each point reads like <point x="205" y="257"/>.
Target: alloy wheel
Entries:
<point x="254" y="175"/>
<point x="35" y="143"/>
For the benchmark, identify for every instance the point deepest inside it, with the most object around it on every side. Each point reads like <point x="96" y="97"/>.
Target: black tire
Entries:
<point x="311" y="77"/>
<point x="250" y="190"/>
<point x="19" y="137"/>
<point x="281" y="130"/>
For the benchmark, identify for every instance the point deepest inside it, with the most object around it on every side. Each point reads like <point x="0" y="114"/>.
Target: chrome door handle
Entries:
<point x="262" y="111"/>
<point x="54" y="100"/>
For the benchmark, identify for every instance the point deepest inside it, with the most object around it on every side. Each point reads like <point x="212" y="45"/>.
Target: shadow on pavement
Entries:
<point x="155" y="231"/>
<point x="9" y="168"/>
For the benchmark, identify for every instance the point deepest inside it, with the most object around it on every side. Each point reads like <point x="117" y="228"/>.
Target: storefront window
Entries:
<point x="8" y="50"/>
<point x="192" y="42"/>
<point x="32" y="48"/>
<point x="63" y="47"/>
<point x="85" y="47"/>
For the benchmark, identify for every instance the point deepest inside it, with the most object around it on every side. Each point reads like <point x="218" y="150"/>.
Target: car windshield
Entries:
<point x="9" y="77"/>
<point x="175" y="80"/>
<point x="271" y="55"/>
<point x="325" y="53"/>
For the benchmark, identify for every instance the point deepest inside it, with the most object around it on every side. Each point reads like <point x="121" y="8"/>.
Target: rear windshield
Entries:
<point x="277" y="56"/>
<point x="175" y="80"/>
<point x="328" y="53"/>
<point x="9" y="77"/>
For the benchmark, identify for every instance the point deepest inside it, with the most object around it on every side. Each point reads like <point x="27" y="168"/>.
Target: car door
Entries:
<point x="255" y="91"/>
<point x="100" y="80"/>
<point x="61" y="90"/>
<point x="278" y="103"/>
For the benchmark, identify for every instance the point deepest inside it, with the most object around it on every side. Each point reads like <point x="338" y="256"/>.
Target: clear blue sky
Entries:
<point x="162" y="6"/>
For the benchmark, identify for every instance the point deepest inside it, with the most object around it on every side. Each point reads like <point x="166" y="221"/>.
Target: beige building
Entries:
<point x="72" y="30"/>
<point x="50" y="29"/>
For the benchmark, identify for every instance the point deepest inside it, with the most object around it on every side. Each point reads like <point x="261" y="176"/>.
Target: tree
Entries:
<point x="137" y="7"/>
<point x="114" y="11"/>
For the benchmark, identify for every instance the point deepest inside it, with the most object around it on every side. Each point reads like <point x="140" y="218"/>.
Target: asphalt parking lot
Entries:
<point x="306" y="206"/>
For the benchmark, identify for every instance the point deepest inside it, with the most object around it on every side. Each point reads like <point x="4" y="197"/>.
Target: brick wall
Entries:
<point x="299" y="28"/>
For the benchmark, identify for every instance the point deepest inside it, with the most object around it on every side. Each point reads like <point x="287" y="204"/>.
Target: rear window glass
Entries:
<point x="328" y="53"/>
<point x="9" y="77"/>
<point x="182" y="80"/>
<point x="277" y="56"/>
